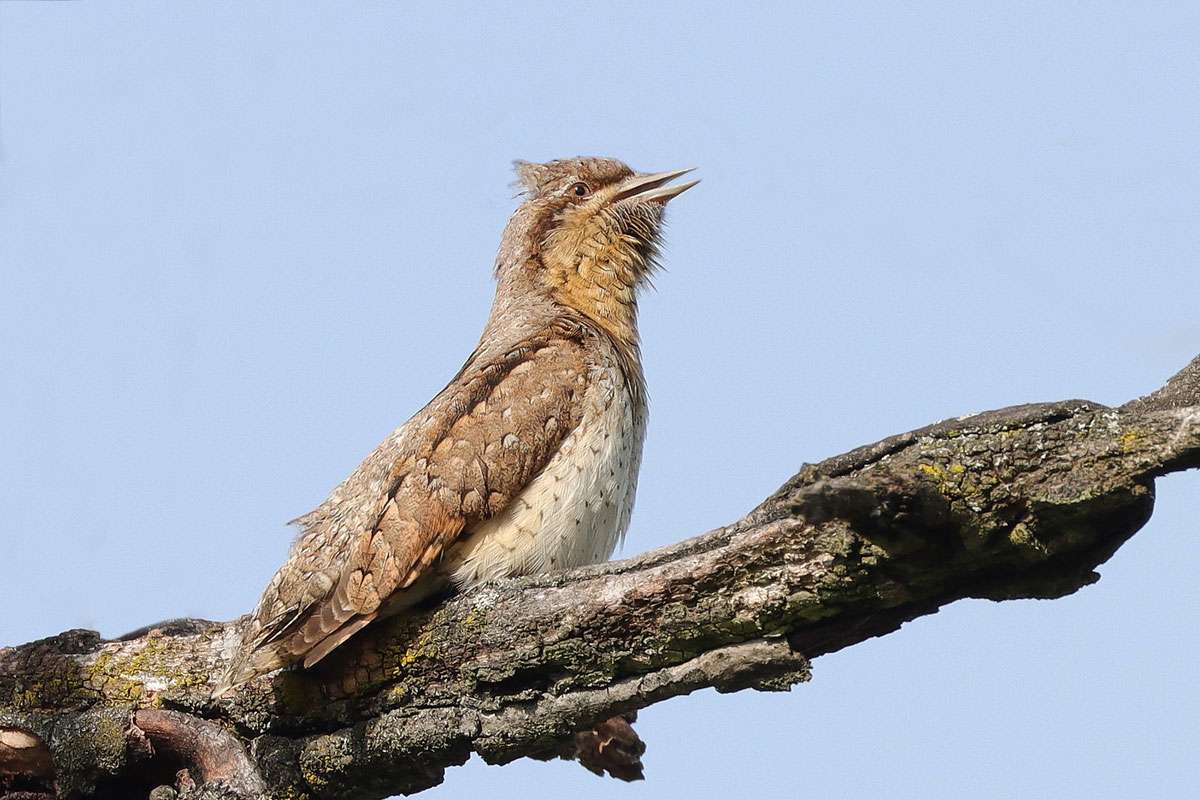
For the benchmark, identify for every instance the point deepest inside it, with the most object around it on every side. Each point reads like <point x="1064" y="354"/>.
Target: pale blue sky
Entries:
<point x="241" y="242"/>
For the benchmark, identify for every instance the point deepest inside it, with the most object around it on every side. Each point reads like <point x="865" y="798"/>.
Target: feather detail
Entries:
<point x="455" y="464"/>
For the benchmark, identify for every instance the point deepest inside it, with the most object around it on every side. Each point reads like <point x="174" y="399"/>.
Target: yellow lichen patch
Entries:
<point x="1020" y="534"/>
<point x="59" y="685"/>
<point x="947" y="478"/>
<point x="1129" y="441"/>
<point x="422" y="649"/>
<point x="955" y="481"/>
<point x="141" y="673"/>
<point x="933" y="471"/>
<point x="292" y="793"/>
<point x="395" y="659"/>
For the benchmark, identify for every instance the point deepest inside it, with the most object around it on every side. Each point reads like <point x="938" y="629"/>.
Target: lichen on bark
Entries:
<point x="1020" y="502"/>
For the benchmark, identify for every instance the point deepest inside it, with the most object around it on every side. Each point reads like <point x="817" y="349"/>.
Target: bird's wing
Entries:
<point x="480" y="442"/>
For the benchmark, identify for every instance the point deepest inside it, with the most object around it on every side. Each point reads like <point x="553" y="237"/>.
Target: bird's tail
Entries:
<point x="248" y="664"/>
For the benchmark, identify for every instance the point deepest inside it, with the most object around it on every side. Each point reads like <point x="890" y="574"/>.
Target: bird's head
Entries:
<point x="587" y="235"/>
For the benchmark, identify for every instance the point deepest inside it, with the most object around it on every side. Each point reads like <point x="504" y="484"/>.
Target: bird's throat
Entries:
<point x="597" y="293"/>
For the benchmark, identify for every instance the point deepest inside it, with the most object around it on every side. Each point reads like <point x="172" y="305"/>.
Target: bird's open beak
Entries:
<point x="652" y="187"/>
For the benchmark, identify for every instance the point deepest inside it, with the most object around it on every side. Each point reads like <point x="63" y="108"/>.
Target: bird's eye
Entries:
<point x="580" y="189"/>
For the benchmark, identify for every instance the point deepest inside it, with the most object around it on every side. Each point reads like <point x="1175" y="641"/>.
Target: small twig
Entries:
<point x="211" y="752"/>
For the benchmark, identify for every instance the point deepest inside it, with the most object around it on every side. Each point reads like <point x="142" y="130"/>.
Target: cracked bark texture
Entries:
<point x="1022" y="502"/>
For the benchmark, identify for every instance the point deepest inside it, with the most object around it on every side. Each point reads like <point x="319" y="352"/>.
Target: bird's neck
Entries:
<point x="613" y="309"/>
<point x="599" y="282"/>
<point x="600" y="285"/>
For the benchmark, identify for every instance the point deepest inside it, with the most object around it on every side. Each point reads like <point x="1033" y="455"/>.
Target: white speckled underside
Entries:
<point x="576" y="510"/>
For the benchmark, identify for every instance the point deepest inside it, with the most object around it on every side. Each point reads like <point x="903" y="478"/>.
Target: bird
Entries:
<point x="526" y="462"/>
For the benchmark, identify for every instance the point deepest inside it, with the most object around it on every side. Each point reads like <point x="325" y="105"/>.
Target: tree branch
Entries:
<point x="1021" y="502"/>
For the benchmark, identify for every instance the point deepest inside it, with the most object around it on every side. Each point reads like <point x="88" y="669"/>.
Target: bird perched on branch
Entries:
<point x="526" y="462"/>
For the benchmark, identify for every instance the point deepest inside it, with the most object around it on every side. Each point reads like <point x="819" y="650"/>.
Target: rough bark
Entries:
<point x="1017" y="503"/>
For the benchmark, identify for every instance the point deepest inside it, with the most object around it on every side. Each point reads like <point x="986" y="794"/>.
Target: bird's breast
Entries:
<point x="576" y="510"/>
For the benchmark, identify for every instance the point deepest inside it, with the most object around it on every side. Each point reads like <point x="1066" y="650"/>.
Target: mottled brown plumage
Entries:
<point x="526" y="461"/>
